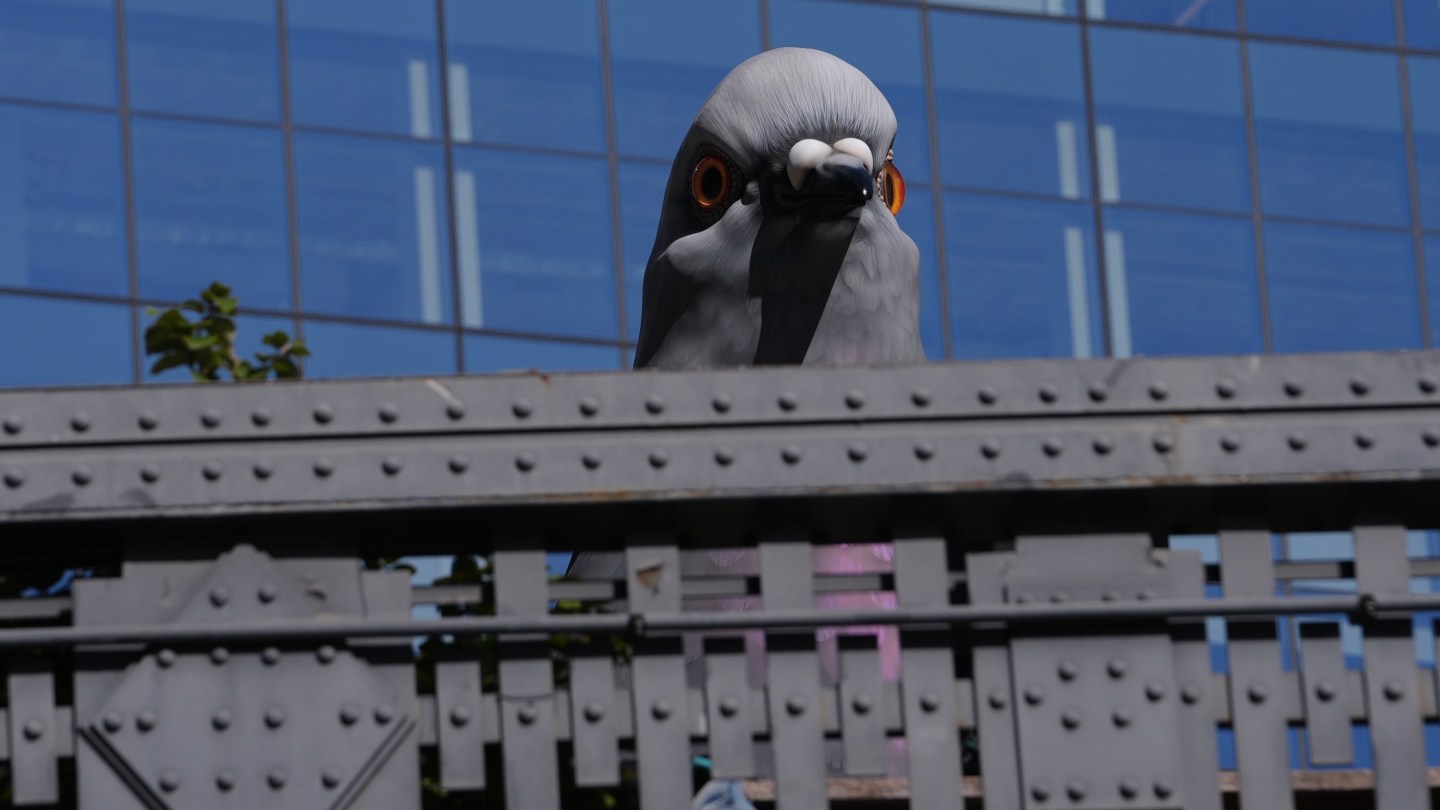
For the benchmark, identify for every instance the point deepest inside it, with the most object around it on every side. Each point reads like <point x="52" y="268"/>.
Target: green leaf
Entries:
<point x="196" y="344"/>
<point x="168" y="362"/>
<point x="278" y="339"/>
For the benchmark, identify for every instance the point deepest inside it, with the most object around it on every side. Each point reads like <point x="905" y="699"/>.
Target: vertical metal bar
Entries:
<point x="1252" y="152"/>
<point x="292" y="199"/>
<point x="937" y="190"/>
<point x="995" y="724"/>
<point x="461" y="721"/>
<point x="448" y="143"/>
<point x="1412" y="174"/>
<point x="1322" y="692"/>
<point x="862" y="706"/>
<point x="1262" y="749"/>
<point x="34" y="771"/>
<point x="127" y="159"/>
<point x="787" y="582"/>
<point x="612" y="167"/>
<point x="927" y="677"/>
<point x="1392" y="693"/>
<point x="728" y="710"/>
<point x="661" y="700"/>
<point x="527" y="685"/>
<point x="1196" y="701"/>
<point x="1097" y="209"/>
<point x="594" y="718"/>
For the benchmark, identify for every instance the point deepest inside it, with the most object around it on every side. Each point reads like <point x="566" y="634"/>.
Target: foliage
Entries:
<point x="206" y="345"/>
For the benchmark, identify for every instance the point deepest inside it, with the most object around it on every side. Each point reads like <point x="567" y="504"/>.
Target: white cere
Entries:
<point x="804" y="156"/>
<point x="858" y="149"/>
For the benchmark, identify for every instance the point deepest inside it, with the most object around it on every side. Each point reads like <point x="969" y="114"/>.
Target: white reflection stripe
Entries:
<point x="1109" y="163"/>
<point x="1058" y="6"/>
<point x="467" y="245"/>
<point x="419" y="99"/>
<point x="460" y="128"/>
<point x="1117" y="290"/>
<point x="1096" y="9"/>
<point x="427" y="241"/>
<point x="1068" y="159"/>
<point x="1076" y="290"/>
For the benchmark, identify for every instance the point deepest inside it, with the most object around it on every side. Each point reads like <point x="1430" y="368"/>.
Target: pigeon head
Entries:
<point x="784" y="184"/>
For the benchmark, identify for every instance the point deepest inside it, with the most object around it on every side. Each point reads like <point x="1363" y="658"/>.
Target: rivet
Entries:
<point x="1109" y="596"/>
<point x="80" y="422"/>
<point x="330" y="777"/>
<point x="594" y="712"/>
<point x="589" y="406"/>
<point x="225" y="780"/>
<point x="324" y="466"/>
<point x="1067" y="670"/>
<point x="210" y="418"/>
<point x="165" y="658"/>
<point x="219" y="655"/>
<point x="1159" y="391"/>
<point x="12" y="424"/>
<point x="260" y="416"/>
<point x="590" y="460"/>
<point x="81" y="476"/>
<point x="1129" y="788"/>
<point x="388" y="413"/>
<point x="349" y="713"/>
<point x="455" y="410"/>
<point x="14" y="479"/>
<point x="525" y="462"/>
<point x="147" y="420"/>
<point x="787" y="401"/>
<point x="323" y="414"/>
<point x="921" y="397"/>
<point x="276" y="778"/>
<point x="1426" y="384"/>
<point x="1163" y="443"/>
<point x="1034" y="695"/>
<point x="1059" y="597"/>
<point x="1190" y="693"/>
<point x="854" y="400"/>
<point x="1040" y="791"/>
<point x="1117" y="667"/>
<point x="795" y="705"/>
<point x="724" y="457"/>
<point x="384" y="713"/>
<point x="924" y="451"/>
<point x="325" y="654"/>
<point x="113" y="722"/>
<point x="270" y="656"/>
<point x="1394" y="690"/>
<point x="149" y="474"/>
<point x="857" y="452"/>
<point x="1122" y="717"/>
<point x="522" y="408"/>
<point x="1163" y="788"/>
<point x="1431" y="438"/>
<point x="458" y="464"/>
<point x="1024" y="598"/>
<point x="790" y="453"/>
<point x="1098" y="392"/>
<point x="263" y="470"/>
<point x="1258" y="692"/>
<point x="1052" y="446"/>
<point x="212" y="470"/>
<point x="1145" y="594"/>
<point x="1359" y="386"/>
<point x="222" y="719"/>
<point x="990" y="448"/>
<point x="1075" y="789"/>
<point x="1225" y="388"/>
<point x="390" y="465"/>
<point x="146" y="720"/>
<point x="219" y="595"/>
<point x="169" y="781"/>
<point x="655" y="404"/>
<point x="1296" y="441"/>
<point x="1364" y="440"/>
<point x="1230" y="442"/>
<point x="929" y="702"/>
<point x="997" y="701"/>
<point x="1048" y="393"/>
<point x="659" y="458"/>
<point x="1070" y="719"/>
<point x="986" y="395"/>
<point x="1293" y="389"/>
<point x="33" y="729"/>
<point x="722" y="403"/>
<point x="460" y="716"/>
<point x="1103" y="445"/>
<point x="862" y="704"/>
<point x="661" y="709"/>
<point x="1325" y="691"/>
<point x="1155" y="691"/>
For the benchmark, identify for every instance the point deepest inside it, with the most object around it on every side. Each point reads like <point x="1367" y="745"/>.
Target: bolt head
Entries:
<point x="722" y="403"/>
<point x="1394" y="690"/>
<point x="1098" y="392"/>
<point x="1117" y="667"/>
<point x="527" y="715"/>
<point x="270" y="656"/>
<point x="1122" y="717"/>
<point x="1103" y="445"/>
<point x="854" y="400"/>
<point x="787" y="401"/>
<point x="458" y="464"/>
<point x="460" y="716"/>
<point x="1049" y="393"/>
<point x="225" y="780"/>
<point x="589" y="406"/>
<point x="1067" y="670"/>
<point x="1296" y="441"/>
<point x="921" y="397"/>
<point x="1163" y="788"/>
<point x="1426" y="384"/>
<point x="795" y="705"/>
<point x="219" y="596"/>
<point x="147" y="420"/>
<point x="1070" y="719"/>
<point x="858" y="452"/>
<point x="1431" y="438"/>
<point x="1230" y="442"/>
<point x="1364" y="440"/>
<point x="325" y="654"/>
<point x="384" y="713"/>
<point x="990" y="448"/>
<point x="34" y="728"/>
<point x="862" y="704"/>
<point x="924" y="451"/>
<point x="14" y="479"/>
<point x="12" y="425"/>
<point x="81" y="476"/>
<point x="1190" y="694"/>
<point x="590" y="460"/>
<point x="655" y="404"/>
<point x="929" y="702"/>
<point x="1293" y="388"/>
<point x="261" y="416"/>
<point x="149" y="474"/>
<point x="146" y="720"/>
<point x="1225" y="388"/>
<point x="222" y="719"/>
<point x="455" y="410"/>
<point x="165" y="658"/>
<point x="1052" y="446"/>
<point x="1076" y="790"/>
<point x="594" y="712"/>
<point x="210" y="418"/>
<point x="997" y="700"/>
<point x="267" y="592"/>
<point x="1129" y="788"/>
<point x="80" y="422"/>
<point x="1325" y="691"/>
<point x="661" y="709"/>
<point x="113" y="722"/>
<point x="986" y="395"/>
<point x="790" y="454"/>
<point x="212" y="470"/>
<point x="522" y="408"/>
<point x="1034" y="695"/>
<point x="1163" y="443"/>
<point x="1040" y="791"/>
<point x="1359" y="386"/>
<point x="388" y="413"/>
<point x="330" y="777"/>
<point x="349" y="714"/>
<point x="219" y="655"/>
<point x="1155" y="691"/>
<point x="323" y="414"/>
<point x="169" y="781"/>
<point x="390" y="465"/>
<point x="659" y="458"/>
<point x="1258" y="692"/>
<point x="324" y="466"/>
<point x="1159" y="391"/>
<point x="277" y="778"/>
<point x="263" y="470"/>
<point x="724" y="457"/>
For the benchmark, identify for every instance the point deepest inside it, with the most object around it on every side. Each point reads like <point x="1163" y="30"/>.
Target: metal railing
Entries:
<point x="916" y="561"/>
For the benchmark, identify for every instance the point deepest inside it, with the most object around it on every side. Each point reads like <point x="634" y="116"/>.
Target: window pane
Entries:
<point x="487" y="354"/>
<point x="216" y="58"/>
<point x="1340" y="289"/>
<point x="854" y="32"/>
<point x="1024" y="6"/>
<point x="642" y="189"/>
<point x="66" y="342"/>
<point x="1345" y="20"/>
<point x="525" y="73"/>
<point x="365" y="66"/>
<point x="1425" y="111"/>
<point x="1422" y="24"/>
<point x="1010" y="104"/>
<point x="917" y="219"/>
<point x="1218" y="14"/>
<point x="345" y="350"/>
<point x="538" y="255"/>
<point x="58" y="50"/>
<point x="1329" y="134"/>
<point x="668" y="55"/>
<point x="373" y="228"/>
<point x="62" y="219"/>
<point x="1173" y="133"/>
<point x="1181" y="284"/>
<point x="248" y="331"/>
<point x="1431" y="247"/>
<point x="210" y="206"/>
<point x="1022" y="278"/>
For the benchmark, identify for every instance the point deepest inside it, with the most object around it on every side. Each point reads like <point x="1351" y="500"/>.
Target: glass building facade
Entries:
<point x="443" y="186"/>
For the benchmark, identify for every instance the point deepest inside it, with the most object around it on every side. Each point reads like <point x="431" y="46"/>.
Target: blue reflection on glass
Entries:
<point x="249" y="329"/>
<point x="346" y="350"/>
<point x="854" y="33"/>
<point x="668" y="55"/>
<point x="1218" y="14"/>
<point x="369" y="66"/>
<point x="1431" y="247"/>
<point x="525" y="73"/>
<point x="62" y="216"/>
<point x="1422" y="24"/>
<point x="1181" y="284"/>
<point x="372" y="228"/>
<point x="58" y="353"/>
<point x="1329" y="134"/>
<point x="642" y="190"/>
<point x="1010" y="104"/>
<point x="1022" y="6"/>
<point x="1174" y="132"/>
<point x="534" y="241"/>
<point x="58" y="50"/>
<point x="486" y="354"/>
<point x="1425" y="112"/>
<point x="1022" y="278"/>
<point x="1340" y="289"/>
<point x="210" y="206"/>
<point x="216" y="58"/>
<point x="1371" y="23"/>
<point x="917" y="219"/>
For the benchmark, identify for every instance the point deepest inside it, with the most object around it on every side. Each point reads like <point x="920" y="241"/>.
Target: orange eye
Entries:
<point x="892" y="187"/>
<point x="710" y="184"/>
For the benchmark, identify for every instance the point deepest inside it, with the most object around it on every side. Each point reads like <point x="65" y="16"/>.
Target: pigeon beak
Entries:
<point x="840" y="177"/>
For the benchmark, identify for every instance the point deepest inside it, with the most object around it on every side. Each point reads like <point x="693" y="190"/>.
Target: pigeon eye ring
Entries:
<point x="710" y="183"/>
